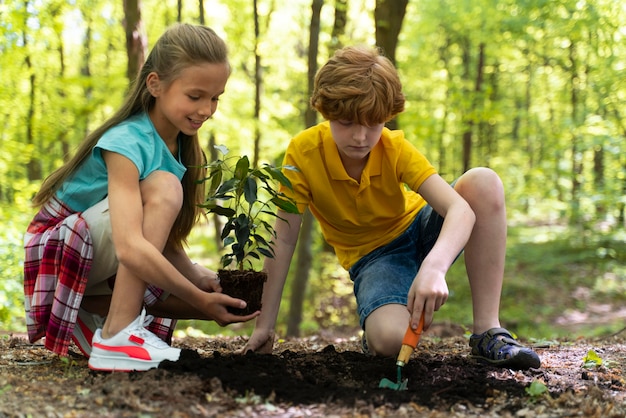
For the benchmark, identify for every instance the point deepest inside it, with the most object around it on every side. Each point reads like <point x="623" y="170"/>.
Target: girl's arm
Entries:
<point x="429" y="290"/>
<point x="140" y="237"/>
<point x="199" y="275"/>
<point x="277" y="268"/>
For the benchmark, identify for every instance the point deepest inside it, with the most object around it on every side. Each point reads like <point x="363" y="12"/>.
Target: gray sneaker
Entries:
<point x="86" y="325"/>
<point x="497" y="347"/>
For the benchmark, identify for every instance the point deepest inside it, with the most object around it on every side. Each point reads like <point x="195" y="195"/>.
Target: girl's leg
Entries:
<point x="485" y="250"/>
<point x="162" y="199"/>
<point x="172" y="307"/>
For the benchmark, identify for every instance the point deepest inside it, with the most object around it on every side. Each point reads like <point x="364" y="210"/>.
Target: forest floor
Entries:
<point x="318" y="377"/>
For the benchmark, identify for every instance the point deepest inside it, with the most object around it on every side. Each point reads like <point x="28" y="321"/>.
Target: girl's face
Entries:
<point x="187" y="102"/>
<point x="355" y="141"/>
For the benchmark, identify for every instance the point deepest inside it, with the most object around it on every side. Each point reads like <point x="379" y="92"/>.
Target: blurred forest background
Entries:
<point x="535" y="89"/>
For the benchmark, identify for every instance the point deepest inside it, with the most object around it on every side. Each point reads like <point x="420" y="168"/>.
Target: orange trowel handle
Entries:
<point x="412" y="337"/>
<point x="410" y="341"/>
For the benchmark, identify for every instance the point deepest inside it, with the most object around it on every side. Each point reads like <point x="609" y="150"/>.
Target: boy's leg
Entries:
<point x="485" y="250"/>
<point x="385" y="328"/>
<point x="484" y="261"/>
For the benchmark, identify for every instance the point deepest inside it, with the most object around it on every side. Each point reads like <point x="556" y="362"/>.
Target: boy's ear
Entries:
<point x="153" y="84"/>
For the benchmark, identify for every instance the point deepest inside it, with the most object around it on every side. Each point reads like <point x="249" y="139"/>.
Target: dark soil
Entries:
<point x="315" y="377"/>
<point x="243" y="284"/>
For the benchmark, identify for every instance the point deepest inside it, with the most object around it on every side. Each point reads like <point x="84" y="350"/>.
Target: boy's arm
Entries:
<point x="262" y="338"/>
<point x="429" y="290"/>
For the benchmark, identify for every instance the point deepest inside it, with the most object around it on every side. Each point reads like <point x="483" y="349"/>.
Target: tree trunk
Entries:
<point x="303" y="266"/>
<point x="577" y="161"/>
<point x="470" y="118"/>
<point x="33" y="167"/>
<point x="258" y="87"/>
<point x="388" y="17"/>
<point x="201" y="13"/>
<point x="136" y="42"/>
<point x="341" y="19"/>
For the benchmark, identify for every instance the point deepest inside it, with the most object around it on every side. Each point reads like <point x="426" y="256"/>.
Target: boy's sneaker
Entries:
<point x="497" y="347"/>
<point x="86" y="325"/>
<point x="133" y="348"/>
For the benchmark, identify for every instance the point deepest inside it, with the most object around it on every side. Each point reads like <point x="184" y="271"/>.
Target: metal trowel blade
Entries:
<point x="389" y="384"/>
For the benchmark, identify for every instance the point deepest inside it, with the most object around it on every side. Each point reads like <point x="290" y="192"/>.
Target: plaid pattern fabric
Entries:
<point x="58" y="255"/>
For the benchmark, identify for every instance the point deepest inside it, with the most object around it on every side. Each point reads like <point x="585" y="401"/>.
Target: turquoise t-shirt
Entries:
<point x="136" y="139"/>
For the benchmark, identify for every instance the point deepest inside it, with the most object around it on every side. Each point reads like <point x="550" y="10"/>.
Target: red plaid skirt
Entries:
<point x="56" y="266"/>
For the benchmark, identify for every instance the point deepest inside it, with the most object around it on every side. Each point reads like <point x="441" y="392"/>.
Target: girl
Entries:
<point x="108" y="239"/>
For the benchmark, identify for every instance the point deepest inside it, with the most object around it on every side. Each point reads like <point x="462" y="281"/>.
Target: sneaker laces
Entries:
<point x="141" y="331"/>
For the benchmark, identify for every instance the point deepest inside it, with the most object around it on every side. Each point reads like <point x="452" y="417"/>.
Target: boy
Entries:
<point x="394" y="223"/>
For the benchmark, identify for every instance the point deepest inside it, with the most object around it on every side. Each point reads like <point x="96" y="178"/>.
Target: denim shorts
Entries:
<point x="385" y="275"/>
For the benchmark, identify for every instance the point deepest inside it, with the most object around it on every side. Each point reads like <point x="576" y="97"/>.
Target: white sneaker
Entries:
<point x="86" y="325"/>
<point x="133" y="348"/>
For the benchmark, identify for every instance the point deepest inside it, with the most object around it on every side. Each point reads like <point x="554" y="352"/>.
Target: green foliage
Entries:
<point x="559" y="160"/>
<point x="550" y="272"/>
<point x="246" y="206"/>
<point x="11" y="264"/>
<point x="592" y="360"/>
<point x="536" y="389"/>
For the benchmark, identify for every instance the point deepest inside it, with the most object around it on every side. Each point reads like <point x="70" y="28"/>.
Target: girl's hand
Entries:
<point x="216" y="309"/>
<point x="210" y="283"/>
<point x="261" y="341"/>
<point x="208" y="280"/>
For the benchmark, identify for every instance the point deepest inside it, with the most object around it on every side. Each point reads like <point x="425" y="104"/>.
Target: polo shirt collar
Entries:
<point x="335" y="166"/>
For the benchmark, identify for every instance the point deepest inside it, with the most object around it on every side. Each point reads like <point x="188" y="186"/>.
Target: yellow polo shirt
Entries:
<point x="357" y="217"/>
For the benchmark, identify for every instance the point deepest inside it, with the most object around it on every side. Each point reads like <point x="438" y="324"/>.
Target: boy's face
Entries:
<point x="355" y="141"/>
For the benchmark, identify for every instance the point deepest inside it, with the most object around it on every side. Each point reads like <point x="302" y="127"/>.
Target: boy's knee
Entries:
<point x="384" y="342"/>
<point x="481" y="184"/>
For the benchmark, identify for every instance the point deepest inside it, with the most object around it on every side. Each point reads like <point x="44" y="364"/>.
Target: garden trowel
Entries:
<point x="409" y="342"/>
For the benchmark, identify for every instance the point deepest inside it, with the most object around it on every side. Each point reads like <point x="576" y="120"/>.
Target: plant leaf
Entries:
<point x="220" y="210"/>
<point x="241" y="170"/>
<point x="536" y="388"/>
<point x="222" y="149"/>
<point x="591" y="360"/>
<point x="227" y="186"/>
<point x="285" y="205"/>
<point x="266" y="252"/>
<point x="216" y="180"/>
<point x="277" y="174"/>
<point x="250" y="190"/>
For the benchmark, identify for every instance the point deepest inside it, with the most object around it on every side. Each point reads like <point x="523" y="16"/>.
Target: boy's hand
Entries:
<point x="261" y="341"/>
<point x="428" y="293"/>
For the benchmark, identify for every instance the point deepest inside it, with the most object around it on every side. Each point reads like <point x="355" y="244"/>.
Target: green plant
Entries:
<point x="246" y="196"/>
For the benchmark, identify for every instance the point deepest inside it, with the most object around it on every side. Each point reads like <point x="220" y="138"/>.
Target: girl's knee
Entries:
<point x="163" y="191"/>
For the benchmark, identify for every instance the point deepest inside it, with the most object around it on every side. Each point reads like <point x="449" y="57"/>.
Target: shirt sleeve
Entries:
<point x="129" y="142"/>
<point x="413" y="167"/>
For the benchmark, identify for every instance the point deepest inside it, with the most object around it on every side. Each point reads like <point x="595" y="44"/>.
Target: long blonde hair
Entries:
<point x="181" y="46"/>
